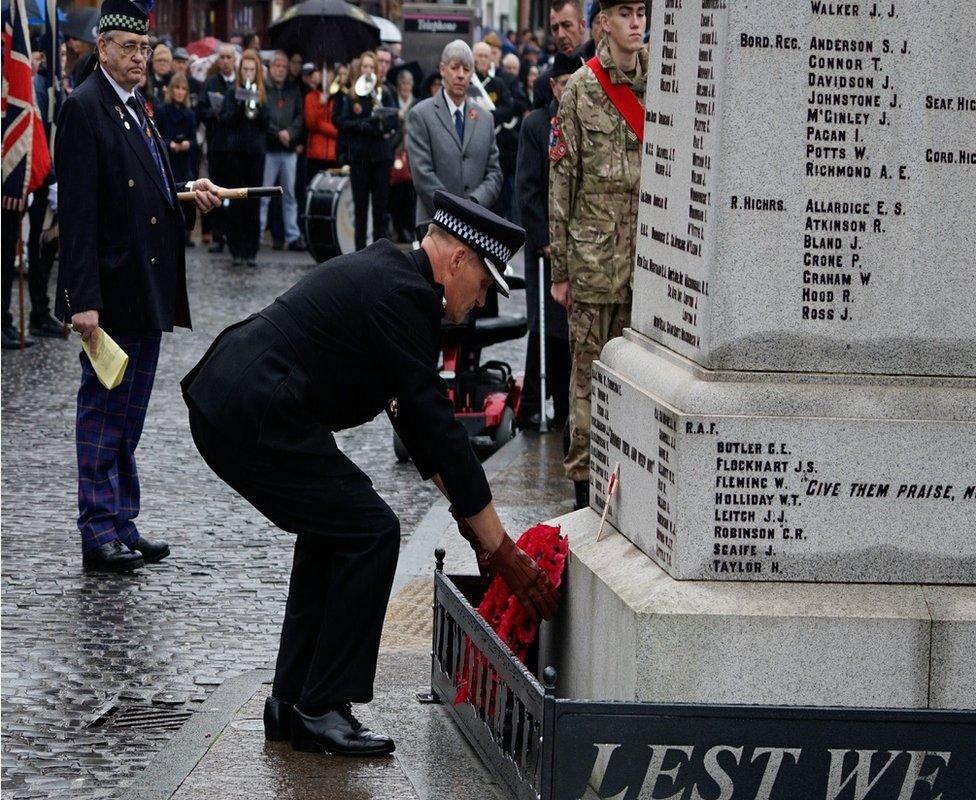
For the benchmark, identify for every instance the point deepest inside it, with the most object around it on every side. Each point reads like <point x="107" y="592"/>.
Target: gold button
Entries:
<point x="152" y="260"/>
<point x="152" y="221"/>
<point x="131" y="183"/>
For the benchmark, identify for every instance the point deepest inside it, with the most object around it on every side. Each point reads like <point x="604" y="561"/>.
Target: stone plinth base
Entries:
<point x="628" y="631"/>
<point x="765" y="476"/>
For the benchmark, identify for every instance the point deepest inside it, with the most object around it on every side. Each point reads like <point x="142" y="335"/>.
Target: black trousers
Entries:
<point x="301" y="181"/>
<point x="40" y="258"/>
<point x="403" y="210"/>
<point x="370" y="179"/>
<point x="558" y="366"/>
<point x="243" y="219"/>
<point x="345" y="557"/>
<point x="10" y="234"/>
<point x="220" y="169"/>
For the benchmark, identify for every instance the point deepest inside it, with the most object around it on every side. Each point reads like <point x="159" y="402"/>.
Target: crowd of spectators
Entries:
<point x="244" y="115"/>
<point x="306" y="117"/>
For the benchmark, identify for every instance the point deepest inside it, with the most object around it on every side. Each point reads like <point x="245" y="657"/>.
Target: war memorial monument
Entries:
<point x="793" y="411"/>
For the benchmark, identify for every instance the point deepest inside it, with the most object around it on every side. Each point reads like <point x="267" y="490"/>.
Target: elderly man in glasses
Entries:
<point x="122" y="271"/>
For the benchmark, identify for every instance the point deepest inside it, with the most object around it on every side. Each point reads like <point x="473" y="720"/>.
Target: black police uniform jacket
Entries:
<point x="121" y="231"/>
<point x="358" y="335"/>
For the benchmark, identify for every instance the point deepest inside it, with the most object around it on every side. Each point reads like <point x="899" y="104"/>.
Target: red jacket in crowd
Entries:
<point x="322" y="133"/>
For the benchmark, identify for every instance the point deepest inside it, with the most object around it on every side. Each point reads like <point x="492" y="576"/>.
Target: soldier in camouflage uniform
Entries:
<point x="594" y="184"/>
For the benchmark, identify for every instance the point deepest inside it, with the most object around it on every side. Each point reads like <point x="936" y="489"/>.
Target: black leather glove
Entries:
<point x="523" y="576"/>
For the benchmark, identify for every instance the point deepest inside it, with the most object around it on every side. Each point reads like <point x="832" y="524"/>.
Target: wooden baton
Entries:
<point x="242" y="193"/>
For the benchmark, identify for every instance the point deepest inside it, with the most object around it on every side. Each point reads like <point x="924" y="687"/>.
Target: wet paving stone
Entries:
<point x="74" y="644"/>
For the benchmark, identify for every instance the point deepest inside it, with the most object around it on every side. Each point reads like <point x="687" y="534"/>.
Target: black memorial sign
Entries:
<point x="761" y="753"/>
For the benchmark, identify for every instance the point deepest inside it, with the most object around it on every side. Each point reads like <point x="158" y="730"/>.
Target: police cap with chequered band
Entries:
<point x="492" y="237"/>
<point x="125" y="15"/>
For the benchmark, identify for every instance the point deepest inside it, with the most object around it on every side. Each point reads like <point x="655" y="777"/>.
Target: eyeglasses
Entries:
<point x="129" y="49"/>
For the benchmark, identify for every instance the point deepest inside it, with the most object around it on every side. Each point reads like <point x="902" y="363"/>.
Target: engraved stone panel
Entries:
<point x="753" y="478"/>
<point x="809" y="186"/>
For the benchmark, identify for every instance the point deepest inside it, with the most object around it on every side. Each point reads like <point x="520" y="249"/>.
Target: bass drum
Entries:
<point x="329" y="216"/>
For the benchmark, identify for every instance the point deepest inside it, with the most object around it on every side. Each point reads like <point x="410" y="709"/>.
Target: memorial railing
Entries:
<point x="543" y="748"/>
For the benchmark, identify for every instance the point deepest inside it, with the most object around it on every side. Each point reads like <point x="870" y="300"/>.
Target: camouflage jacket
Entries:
<point x="595" y="162"/>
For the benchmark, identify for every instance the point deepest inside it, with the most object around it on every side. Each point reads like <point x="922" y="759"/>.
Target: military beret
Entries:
<point x="125" y="15"/>
<point x="605" y="4"/>
<point x="492" y="237"/>
<point x="594" y="10"/>
<point x="563" y="64"/>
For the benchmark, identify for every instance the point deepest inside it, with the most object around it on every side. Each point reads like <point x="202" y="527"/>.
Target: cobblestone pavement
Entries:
<point x="80" y="653"/>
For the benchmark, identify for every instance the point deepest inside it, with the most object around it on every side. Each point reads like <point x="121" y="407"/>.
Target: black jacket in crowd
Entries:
<point x="497" y="89"/>
<point x="195" y="88"/>
<point x="532" y="195"/>
<point x="356" y="336"/>
<point x="507" y="131"/>
<point x="176" y="124"/>
<point x="543" y="92"/>
<point x="209" y="113"/>
<point x="362" y="136"/>
<point x="286" y="111"/>
<point x="244" y="134"/>
<point x="156" y="87"/>
<point x="121" y="231"/>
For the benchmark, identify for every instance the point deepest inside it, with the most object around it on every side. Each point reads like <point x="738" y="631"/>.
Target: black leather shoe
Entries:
<point x="151" y="551"/>
<point x="338" y="733"/>
<point x="298" y="245"/>
<point x="582" y="494"/>
<point x="48" y="328"/>
<point x="111" y="557"/>
<point x="277" y="720"/>
<point x="277" y="244"/>
<point x="216" y="247"/>
<point x="534" y="421"/>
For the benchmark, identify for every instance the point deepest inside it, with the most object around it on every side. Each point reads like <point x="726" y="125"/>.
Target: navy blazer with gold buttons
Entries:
<point x="121" y="230"/>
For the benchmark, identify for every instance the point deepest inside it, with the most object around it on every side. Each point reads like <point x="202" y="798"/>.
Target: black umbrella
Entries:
<point x="325" y="31"/>
<point x="80" y="23"/>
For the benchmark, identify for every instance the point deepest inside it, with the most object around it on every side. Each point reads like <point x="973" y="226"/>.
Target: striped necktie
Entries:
<point x="150" y="141"/>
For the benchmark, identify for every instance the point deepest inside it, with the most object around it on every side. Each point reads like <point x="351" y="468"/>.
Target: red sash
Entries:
<point x="622" y="97"/>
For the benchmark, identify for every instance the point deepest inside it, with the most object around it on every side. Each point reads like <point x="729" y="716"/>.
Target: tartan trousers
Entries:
<point x="107" y="430"/>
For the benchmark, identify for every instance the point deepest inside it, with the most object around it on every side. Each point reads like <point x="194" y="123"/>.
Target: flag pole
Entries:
<point x="20" y="282"/>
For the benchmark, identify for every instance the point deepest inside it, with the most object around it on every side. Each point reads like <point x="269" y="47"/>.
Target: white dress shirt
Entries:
<point x="124" y="97"/>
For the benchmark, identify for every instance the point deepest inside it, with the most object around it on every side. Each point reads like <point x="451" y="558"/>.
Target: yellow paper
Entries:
<point x="110" y="360"/>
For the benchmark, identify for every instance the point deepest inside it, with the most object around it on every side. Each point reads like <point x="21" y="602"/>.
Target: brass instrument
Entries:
<point x="366" y="86"/>
<point x="251" y="105"/>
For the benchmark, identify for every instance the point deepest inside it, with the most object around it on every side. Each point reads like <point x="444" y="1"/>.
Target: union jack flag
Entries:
<point x="26" y="158"/>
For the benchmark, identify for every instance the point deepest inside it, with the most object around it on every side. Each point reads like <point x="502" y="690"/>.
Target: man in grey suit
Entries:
<point x="452" y="139"/>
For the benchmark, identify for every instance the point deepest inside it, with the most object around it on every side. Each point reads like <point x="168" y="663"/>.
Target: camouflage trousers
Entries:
<point x="591" y="325"/>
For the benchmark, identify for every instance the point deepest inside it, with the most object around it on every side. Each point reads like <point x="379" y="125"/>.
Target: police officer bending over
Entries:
<point x="356" y="336"/>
